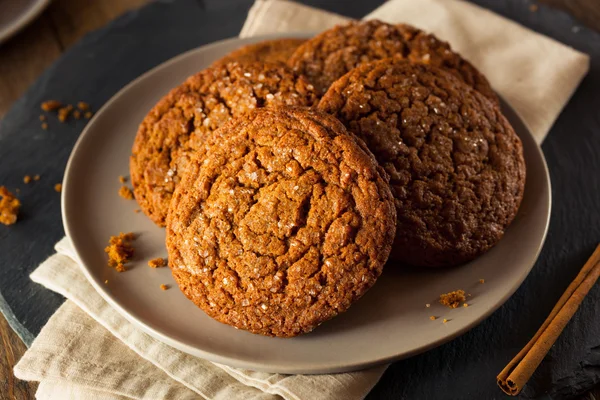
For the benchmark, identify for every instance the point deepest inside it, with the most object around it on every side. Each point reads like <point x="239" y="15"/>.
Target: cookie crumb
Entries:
<point x="88" y="115"/>
<point x="164" y="287"/>
<point x="432" y="318"/>
<point x="120" y="250"/>
<point x="26" y="179"/>
<point x="122" y="179"/>
<point x="533" y="7"/>
<point x="9" y="207"/>
<point x="51" y="105"/>
<point x="77" y="114"/>
<point x="58" y="187"/>
<point x="63" y="112"/>
<point x="36" y="178"/>
<point x="453" y="299"/>
<point x="482" y="281"/>
<point x="83" y="106"/>
<point x="445" y="320"/>
<point x="126" y="193"/>
<point x="42" y="117"/>
<point x="137" y="211"/>
<point x="465" y="305"/>
<point x="427" y="305"/>
<point x="157" y="263"/>
<point x="45" y="126"/>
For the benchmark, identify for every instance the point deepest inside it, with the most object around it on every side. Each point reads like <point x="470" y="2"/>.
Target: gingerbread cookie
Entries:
<point x="184" y="118"/>
<point x="328" y="56"/>
<point x="273" y="51"/>
<point x="456" y="165"/>
<point x="281" y="225"/>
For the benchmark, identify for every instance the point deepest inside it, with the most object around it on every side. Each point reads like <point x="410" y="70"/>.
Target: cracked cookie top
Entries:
<point x="456" y="165"/>
<point x="282" y="224"/>
<point x="187" y="116"/>
<point x="331" y="54"/>
<point x="272" y="51"/>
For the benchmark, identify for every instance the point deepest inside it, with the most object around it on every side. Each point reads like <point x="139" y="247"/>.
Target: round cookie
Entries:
<point x="326" y="57"/>
<point x="282" y="225"/>
<point x="185" y="117"/>
<point x="273" y="51"/>
<point x="456" y="165"/>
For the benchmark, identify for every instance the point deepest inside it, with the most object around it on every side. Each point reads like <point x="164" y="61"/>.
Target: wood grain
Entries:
<point x="26" y="55"/>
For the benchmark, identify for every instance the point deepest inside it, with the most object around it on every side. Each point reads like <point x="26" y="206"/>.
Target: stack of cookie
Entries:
<point x="289" y="171"/>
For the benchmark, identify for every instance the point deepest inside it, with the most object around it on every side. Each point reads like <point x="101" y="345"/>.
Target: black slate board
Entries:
<point x="105" y="60"/>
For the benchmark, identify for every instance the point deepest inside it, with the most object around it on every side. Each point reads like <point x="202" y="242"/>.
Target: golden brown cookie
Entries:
<point x="184" y="118"/>
<point x="456" y="165"/>
<point x="281" y="225"/>
<point x="273" y="51"/>
<point x="328" y="56"/>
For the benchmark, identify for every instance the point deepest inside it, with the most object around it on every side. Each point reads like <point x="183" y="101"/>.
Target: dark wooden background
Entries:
<point x="26" y="55"/>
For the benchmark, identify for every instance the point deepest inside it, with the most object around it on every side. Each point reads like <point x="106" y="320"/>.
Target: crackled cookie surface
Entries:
<point x="328" y="56"/>
<point x="282" y="225"/>
<point x="186" y="117"/>
<point x="456" y="165"/>
<point x="273" y="51"/>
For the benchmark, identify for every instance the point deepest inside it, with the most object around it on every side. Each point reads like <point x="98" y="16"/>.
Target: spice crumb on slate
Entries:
<point x="58" y="187"/>
<point x="453" y="299"/>
<point x="9" y="207"/>
<point x="88" y="114"/>
<point x="122" y="179"/>
<point x="126" y="193"/>
<point x="63" y="113"/>
<point x="42" y="117"/>
<point x="36" y="178"/>
<point x="51" y="105"/>
<point x="26" y="179"/>
<point x="533" y="7"/>
<point x="164" y="287"/>
<point x="120" y="251"/>
<point x="77" y="114"/>
<point x="157" y="263"/>
<point x="83" y="106"/>
<point x="432" y="318"/>
<point x="482" y="281"/>
<point x="44" y="126"/>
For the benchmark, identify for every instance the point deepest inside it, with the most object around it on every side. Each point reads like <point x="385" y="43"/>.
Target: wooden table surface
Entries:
<point x="26" y="55"/>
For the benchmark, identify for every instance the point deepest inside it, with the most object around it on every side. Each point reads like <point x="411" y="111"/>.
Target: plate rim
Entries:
<point x="332" y="367"/>
<point x="23" y="20"/>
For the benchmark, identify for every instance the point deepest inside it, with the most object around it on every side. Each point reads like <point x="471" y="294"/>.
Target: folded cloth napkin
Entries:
<point x="87" y="350"/>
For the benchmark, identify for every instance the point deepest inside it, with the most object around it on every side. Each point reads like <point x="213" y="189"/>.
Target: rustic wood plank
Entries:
<point x="11" y="350"/>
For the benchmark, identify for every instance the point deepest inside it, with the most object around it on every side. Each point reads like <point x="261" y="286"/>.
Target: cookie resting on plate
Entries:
<point x="281" y="225"/>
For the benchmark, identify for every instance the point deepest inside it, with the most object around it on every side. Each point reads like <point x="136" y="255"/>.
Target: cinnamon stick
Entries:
<point x="518" y="371"/>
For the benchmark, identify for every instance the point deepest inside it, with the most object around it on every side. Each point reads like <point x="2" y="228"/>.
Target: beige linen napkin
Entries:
<point x="89" y="351"/>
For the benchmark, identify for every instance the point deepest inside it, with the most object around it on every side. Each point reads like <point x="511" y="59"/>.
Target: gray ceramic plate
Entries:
<point x="16" y="14"/>
<point x="390" y="322"/>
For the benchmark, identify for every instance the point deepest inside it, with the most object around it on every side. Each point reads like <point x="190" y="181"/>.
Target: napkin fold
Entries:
<point x="87" y="350"/>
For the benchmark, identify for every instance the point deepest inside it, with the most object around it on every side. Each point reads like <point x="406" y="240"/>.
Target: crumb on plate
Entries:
<point x="120" y="251"/>
<point x="51" y="105"/>
<point x="83" y="106"/>
<point x="58" y="187"/>
<point x="122" y="179"/>
<point x="26" y="179"/>
<point x="157" y="262"/>
<point x="9" y="207"/>
<point x="164" y="287"/>
<point x="453" y="299"/>
<point x="432" y="318"/>
<point x="126" y="193"/>
<point x="482" y="281"/>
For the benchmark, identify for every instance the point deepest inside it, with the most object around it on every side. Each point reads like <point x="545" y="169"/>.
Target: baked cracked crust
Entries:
<point x="329" y="55"/>
<point x="456" y="165"/>
<point x="272" y="51"/>
<point x="187" y="116"/>
<point x="282" y="225"/>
